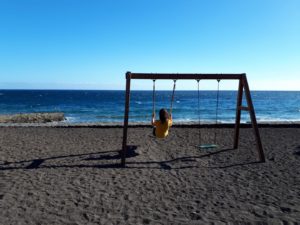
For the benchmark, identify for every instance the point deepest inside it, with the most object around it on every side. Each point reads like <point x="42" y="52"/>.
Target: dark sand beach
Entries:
<point x="69" y="176"/>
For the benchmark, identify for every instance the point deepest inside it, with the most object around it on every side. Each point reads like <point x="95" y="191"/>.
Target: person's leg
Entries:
<point x="154" y="128"/>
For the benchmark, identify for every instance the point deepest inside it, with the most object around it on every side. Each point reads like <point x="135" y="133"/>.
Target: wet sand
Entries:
<point x="63" y="175"/>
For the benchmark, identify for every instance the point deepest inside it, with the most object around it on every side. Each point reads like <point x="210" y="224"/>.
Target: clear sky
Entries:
<point x="71" y="44"/>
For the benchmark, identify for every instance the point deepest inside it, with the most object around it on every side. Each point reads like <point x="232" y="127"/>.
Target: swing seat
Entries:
<point x="207" y="146"/>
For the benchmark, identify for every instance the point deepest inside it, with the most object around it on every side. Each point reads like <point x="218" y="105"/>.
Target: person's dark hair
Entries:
<point x="163" y="115"/>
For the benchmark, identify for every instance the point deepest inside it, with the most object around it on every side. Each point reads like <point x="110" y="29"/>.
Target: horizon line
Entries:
<point x="67" y="89"/>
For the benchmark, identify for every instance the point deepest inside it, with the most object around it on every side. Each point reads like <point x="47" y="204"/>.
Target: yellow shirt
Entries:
<point x="162" y="130"/>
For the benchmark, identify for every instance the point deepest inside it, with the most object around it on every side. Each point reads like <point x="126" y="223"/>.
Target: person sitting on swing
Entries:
<point x="161" y="127"/>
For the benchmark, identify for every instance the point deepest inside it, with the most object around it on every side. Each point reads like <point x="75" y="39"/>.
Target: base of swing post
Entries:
<point x="207" y="146"/>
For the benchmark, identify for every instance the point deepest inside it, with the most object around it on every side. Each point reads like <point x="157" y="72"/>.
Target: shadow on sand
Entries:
<point x="115" y="155"/>
<point x="297" y="152"/>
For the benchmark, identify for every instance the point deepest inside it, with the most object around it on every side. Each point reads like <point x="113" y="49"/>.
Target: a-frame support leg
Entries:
<point x="243" y="86"/>
<point x="253" y="119"/>
<point x="238" y="115"/>
<point x="126" y="114"/>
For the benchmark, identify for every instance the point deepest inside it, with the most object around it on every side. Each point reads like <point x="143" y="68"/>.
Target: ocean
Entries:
<point x="81" y="106"/>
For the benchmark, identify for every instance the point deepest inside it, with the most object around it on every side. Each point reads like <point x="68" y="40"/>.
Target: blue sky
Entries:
<point x="71" y="44"/>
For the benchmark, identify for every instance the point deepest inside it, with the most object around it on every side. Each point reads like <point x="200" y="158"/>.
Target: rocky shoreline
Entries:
<point x="32" y="118"/>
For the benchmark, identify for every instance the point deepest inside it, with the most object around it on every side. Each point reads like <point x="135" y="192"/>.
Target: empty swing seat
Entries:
<point x="207" y="146"/>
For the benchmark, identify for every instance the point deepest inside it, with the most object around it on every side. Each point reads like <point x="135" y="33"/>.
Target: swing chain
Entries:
<point x="172" y="99"/>
<point x="217" y="110"/>
<point x="153" y="99"/>
<point x="199" y="112"/>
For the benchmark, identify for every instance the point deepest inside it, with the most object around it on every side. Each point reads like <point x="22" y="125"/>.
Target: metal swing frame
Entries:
<point x="242" y="88"/>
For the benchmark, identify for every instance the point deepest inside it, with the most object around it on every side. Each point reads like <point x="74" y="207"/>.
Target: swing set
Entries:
<point x="242" y="88"/>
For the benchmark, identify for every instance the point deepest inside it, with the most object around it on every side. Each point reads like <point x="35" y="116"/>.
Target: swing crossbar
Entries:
<point x="184" y="76"/>
<point x="243" y="88"/>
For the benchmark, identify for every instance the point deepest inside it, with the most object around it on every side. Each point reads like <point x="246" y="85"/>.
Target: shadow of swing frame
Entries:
<point x="242" y="88"/>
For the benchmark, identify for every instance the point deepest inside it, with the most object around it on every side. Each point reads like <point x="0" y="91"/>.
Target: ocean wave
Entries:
<point x="109" y="117"/>
<point x="121" y="116"/>
<point x="279" y="121"/>
<point x="71" y="119"/>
